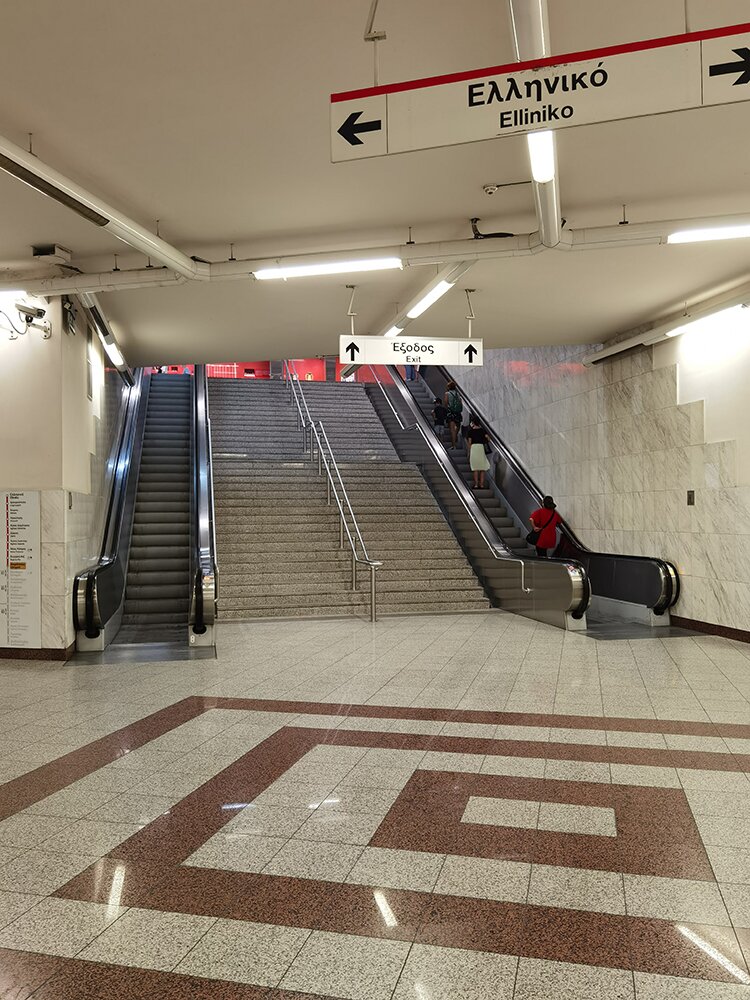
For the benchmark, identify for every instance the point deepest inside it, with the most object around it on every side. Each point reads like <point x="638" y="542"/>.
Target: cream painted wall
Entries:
<point x="715" y="367"/>
<point x="53" y="438"/>
<point x="30" y="408"/>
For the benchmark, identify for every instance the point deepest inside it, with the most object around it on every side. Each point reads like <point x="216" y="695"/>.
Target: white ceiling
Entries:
<point x="213" y="118"/>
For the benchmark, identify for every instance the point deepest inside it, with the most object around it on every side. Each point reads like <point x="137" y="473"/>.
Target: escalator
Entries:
<point x="155" y="579"/>
<point x="157" y="587"/>
<point x="628" y="593"/>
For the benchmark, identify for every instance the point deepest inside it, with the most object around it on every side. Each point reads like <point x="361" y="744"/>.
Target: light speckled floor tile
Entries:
<point x="40" y="872"/>
<point x="309" y="859"/>
<point x="453" y="973"/>
<point x="393" y="869"/>
<point x="651" y="777"/>
<point x="515" y="767"/>
<point x="686" y="900"/>
<point x="130" y="808"/>
<point x="651" y="987"/>
<point x="244" y="952"/>
<point x="13" y="904"/>
<point x="573" y="770"/>
<point x="89" y="837"/>
<point x="59" y="926"/>
<point x="27" y="830"/>
<point x="485" y="878"/>
<point x="730" y="864"/>
<point x="564" y="818"/>
<point x="467" y="762"/>
<point x="236" y="852"/>
<point x="342" y="965"/>
<point x="541" y="980"/>
<point x="576" y="889"/>
<point x="148" y="939"/>
<point x="501" y="812"/>
<point x="339" y="827"/>
<point x="268" y="821"/>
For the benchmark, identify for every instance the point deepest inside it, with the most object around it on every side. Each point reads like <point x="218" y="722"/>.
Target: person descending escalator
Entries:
<point x="544" y="522"/>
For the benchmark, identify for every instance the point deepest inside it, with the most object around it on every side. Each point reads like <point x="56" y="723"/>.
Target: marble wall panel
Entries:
<point x="619" y="453"/>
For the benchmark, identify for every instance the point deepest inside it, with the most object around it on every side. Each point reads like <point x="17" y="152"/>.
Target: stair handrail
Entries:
<point x="205" y="576"/>
<point x="669" y="578"/>
<point x="316" y="433"/>
<point x="576" y="572"/>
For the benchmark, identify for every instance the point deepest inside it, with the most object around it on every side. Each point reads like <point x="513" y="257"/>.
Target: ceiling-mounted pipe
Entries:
<point x="32" y="171"/>
<point x="530" y="30"/>
<point x="412" y="255"/>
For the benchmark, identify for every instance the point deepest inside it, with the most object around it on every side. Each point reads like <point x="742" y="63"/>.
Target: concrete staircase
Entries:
<point x="353" y="428"/>
<point x="278" y="540"/>
<point x="252" y="419"/>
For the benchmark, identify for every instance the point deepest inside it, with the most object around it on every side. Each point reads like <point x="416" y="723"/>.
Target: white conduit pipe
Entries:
<point x="32" y="171"/>
<point x="413" y="255"/>
<point x="530" y="29"/>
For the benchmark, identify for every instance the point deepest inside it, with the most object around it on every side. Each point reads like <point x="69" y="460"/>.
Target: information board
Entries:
<point x="20" y="571"/>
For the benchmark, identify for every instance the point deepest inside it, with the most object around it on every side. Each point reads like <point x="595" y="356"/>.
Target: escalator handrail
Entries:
<point x="486" y="529"/>
<point x="86" y="611"/>
<point x="670" y="588"/>
<point x="204" y="578"/>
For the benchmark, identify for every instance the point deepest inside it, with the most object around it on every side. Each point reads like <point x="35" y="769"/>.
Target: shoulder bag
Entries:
<point x="533" y="536"/>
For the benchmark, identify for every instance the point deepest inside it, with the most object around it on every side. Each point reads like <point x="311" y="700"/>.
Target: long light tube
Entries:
<point x="713" y="323"/>
<point x="542" y="156"/>
<point x="332" y="267"/>
<point x="113" y="352"/>
<point x="394" y="331"/>
<point x="708" y="235"/>
<point x="427" y="300"/>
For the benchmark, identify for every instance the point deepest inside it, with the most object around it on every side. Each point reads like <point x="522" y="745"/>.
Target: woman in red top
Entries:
<point x="545" y="520"/>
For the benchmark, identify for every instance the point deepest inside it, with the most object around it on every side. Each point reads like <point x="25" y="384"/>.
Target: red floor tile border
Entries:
<point x="29" y="788"/>
<point x="613" y="723"/>
<point x="21" y="974"/>
<point x="656" y="832"/>
<point x="149" y="873"/>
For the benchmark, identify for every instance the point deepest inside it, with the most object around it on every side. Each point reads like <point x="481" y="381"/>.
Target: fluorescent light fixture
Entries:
<point x="713" y="323"/>
<point x="113" y="352"/>
<point x="707" y="235"/>
<point x="394" y="331"/>
<point x="332" y="267"/>
<point x="715" y="954"/>
<point x="427" y="300"/>
<point x="542" y="156"/>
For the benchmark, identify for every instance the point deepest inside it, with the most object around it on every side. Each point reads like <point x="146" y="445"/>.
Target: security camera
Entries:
<point x="490" y="188"/>
<point x="30" y="312"/>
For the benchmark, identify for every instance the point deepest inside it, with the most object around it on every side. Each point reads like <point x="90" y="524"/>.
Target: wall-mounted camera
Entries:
<point x="30" y="312"/>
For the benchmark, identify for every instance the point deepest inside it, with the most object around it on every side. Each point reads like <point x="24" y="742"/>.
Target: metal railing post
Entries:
<point x="341" y="531"/>
<point x="373" y="596"/>
<point x="328" y="482"/>
<point x="354" y="570"/>
<point x="320" y="462"/>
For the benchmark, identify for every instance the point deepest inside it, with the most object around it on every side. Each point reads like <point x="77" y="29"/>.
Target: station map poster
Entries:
<point x="20" y="570"/>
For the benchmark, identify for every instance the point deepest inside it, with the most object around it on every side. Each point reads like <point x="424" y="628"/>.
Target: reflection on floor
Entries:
<point x="428" y="808"/>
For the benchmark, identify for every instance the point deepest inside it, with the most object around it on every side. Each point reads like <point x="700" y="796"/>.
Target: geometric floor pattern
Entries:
<point x="427" y="808"/>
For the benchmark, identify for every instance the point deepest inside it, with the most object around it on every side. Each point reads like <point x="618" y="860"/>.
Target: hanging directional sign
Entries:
<point x="693" y="70"/>
<point x="410" y="351"/>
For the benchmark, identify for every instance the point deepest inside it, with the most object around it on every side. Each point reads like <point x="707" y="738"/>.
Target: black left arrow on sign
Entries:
<point x="352" y="128"/>
<point x="471" y="351"/>
<point x="742" y="67"/>
<point x="352" y="349"/>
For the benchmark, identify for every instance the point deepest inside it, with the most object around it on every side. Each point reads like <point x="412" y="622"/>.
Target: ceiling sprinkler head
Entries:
<point x="490" y="188"/>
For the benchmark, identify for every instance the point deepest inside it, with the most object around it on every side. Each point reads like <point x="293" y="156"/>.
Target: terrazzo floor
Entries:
<point x="427" y="808"/>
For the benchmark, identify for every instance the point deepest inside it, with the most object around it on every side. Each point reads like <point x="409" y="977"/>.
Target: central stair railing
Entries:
<point x="315" y="441"/>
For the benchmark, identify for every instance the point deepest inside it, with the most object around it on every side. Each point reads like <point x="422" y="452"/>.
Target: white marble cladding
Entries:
<point x="619" y="453"/>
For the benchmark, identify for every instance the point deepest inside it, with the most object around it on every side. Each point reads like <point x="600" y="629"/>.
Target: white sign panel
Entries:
<point x="410" y="351"/>
<point x="20" y="571"/>
<point x="630" y="81"/>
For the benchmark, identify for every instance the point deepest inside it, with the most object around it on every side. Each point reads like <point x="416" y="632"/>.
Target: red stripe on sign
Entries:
<point x="516" y="67"/>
